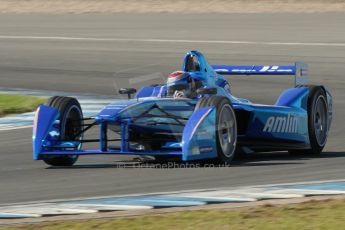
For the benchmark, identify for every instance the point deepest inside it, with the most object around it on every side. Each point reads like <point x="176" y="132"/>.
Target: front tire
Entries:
<point x="226" y="127"/>
<point x="70" y="125"/>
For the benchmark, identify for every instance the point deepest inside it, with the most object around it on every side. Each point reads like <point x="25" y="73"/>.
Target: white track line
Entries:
<point x="171" y="41"/>
<point x="13" y="127"/>
<point x="105" y="207"/>
<point x="45" y="210"/>
<point x="16" y="215"/>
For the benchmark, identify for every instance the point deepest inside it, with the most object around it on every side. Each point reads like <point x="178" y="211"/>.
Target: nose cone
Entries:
<point x="110" y="112"/>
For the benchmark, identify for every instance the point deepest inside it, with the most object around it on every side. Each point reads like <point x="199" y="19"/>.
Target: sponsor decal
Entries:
<point x="264" y="69"/>
<point x="205" y="149"/>
<point x="274" y="69"/>
<point x="281" y="124"/>
<point x="195" y="150"/>
<point x="203" y="135"/>
<point x="221" y="70"/>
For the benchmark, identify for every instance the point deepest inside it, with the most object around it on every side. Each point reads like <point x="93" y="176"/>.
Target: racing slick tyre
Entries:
<point x="317" y="121"/>
<point x="226" y="126"/>
<point x="70" y="125"/>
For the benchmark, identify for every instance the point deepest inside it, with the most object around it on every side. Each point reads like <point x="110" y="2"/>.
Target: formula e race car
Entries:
<point x="193" y="116"/>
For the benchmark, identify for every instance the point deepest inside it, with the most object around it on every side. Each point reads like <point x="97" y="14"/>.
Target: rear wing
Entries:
<point x="299" y="70"/>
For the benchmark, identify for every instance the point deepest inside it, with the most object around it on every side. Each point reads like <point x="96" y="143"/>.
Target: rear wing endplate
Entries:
<point x="299" y="70"/>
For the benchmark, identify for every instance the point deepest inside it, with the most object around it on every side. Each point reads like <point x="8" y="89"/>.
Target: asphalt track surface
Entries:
<point x="97" y="53"/>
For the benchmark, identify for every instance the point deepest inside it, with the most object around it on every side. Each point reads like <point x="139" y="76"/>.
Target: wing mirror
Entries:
<point x="203" y="91"/>
<point x="128" y="91"/>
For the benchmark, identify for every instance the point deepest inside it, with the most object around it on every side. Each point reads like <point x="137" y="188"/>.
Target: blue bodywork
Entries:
<point x="154" y="124"/>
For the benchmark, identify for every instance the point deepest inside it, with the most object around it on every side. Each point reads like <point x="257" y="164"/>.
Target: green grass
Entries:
<point x="13" y="104"/>
<point x="329" y="214"/>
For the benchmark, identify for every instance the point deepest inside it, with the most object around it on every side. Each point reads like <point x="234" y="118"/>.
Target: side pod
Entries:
<point x="294" y="97"/>
<point x="199" y="135"/>
<point x="44" y="120"/>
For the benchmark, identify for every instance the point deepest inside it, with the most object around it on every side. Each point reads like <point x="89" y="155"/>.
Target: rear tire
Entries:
<point x="317" y="121"/>
<point x="70" y="125"/>
<point x="226" y="127"/>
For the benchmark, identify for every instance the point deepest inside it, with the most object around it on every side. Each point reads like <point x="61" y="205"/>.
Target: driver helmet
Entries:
<point x="181" y="84"/>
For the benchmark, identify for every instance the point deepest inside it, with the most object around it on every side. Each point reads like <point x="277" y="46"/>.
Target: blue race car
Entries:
<point x="193" y="116"/>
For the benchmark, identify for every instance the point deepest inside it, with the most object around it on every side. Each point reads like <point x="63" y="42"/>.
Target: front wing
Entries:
<point x="198" y="138"/>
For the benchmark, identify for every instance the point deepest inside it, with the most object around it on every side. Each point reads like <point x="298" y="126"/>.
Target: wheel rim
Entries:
<point x="320" y="120"/>
<point x="70" y="126"/>
<point x="227" y="131"/>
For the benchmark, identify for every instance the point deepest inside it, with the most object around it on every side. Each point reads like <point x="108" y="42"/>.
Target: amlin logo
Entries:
<point x="284" y="124"/>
